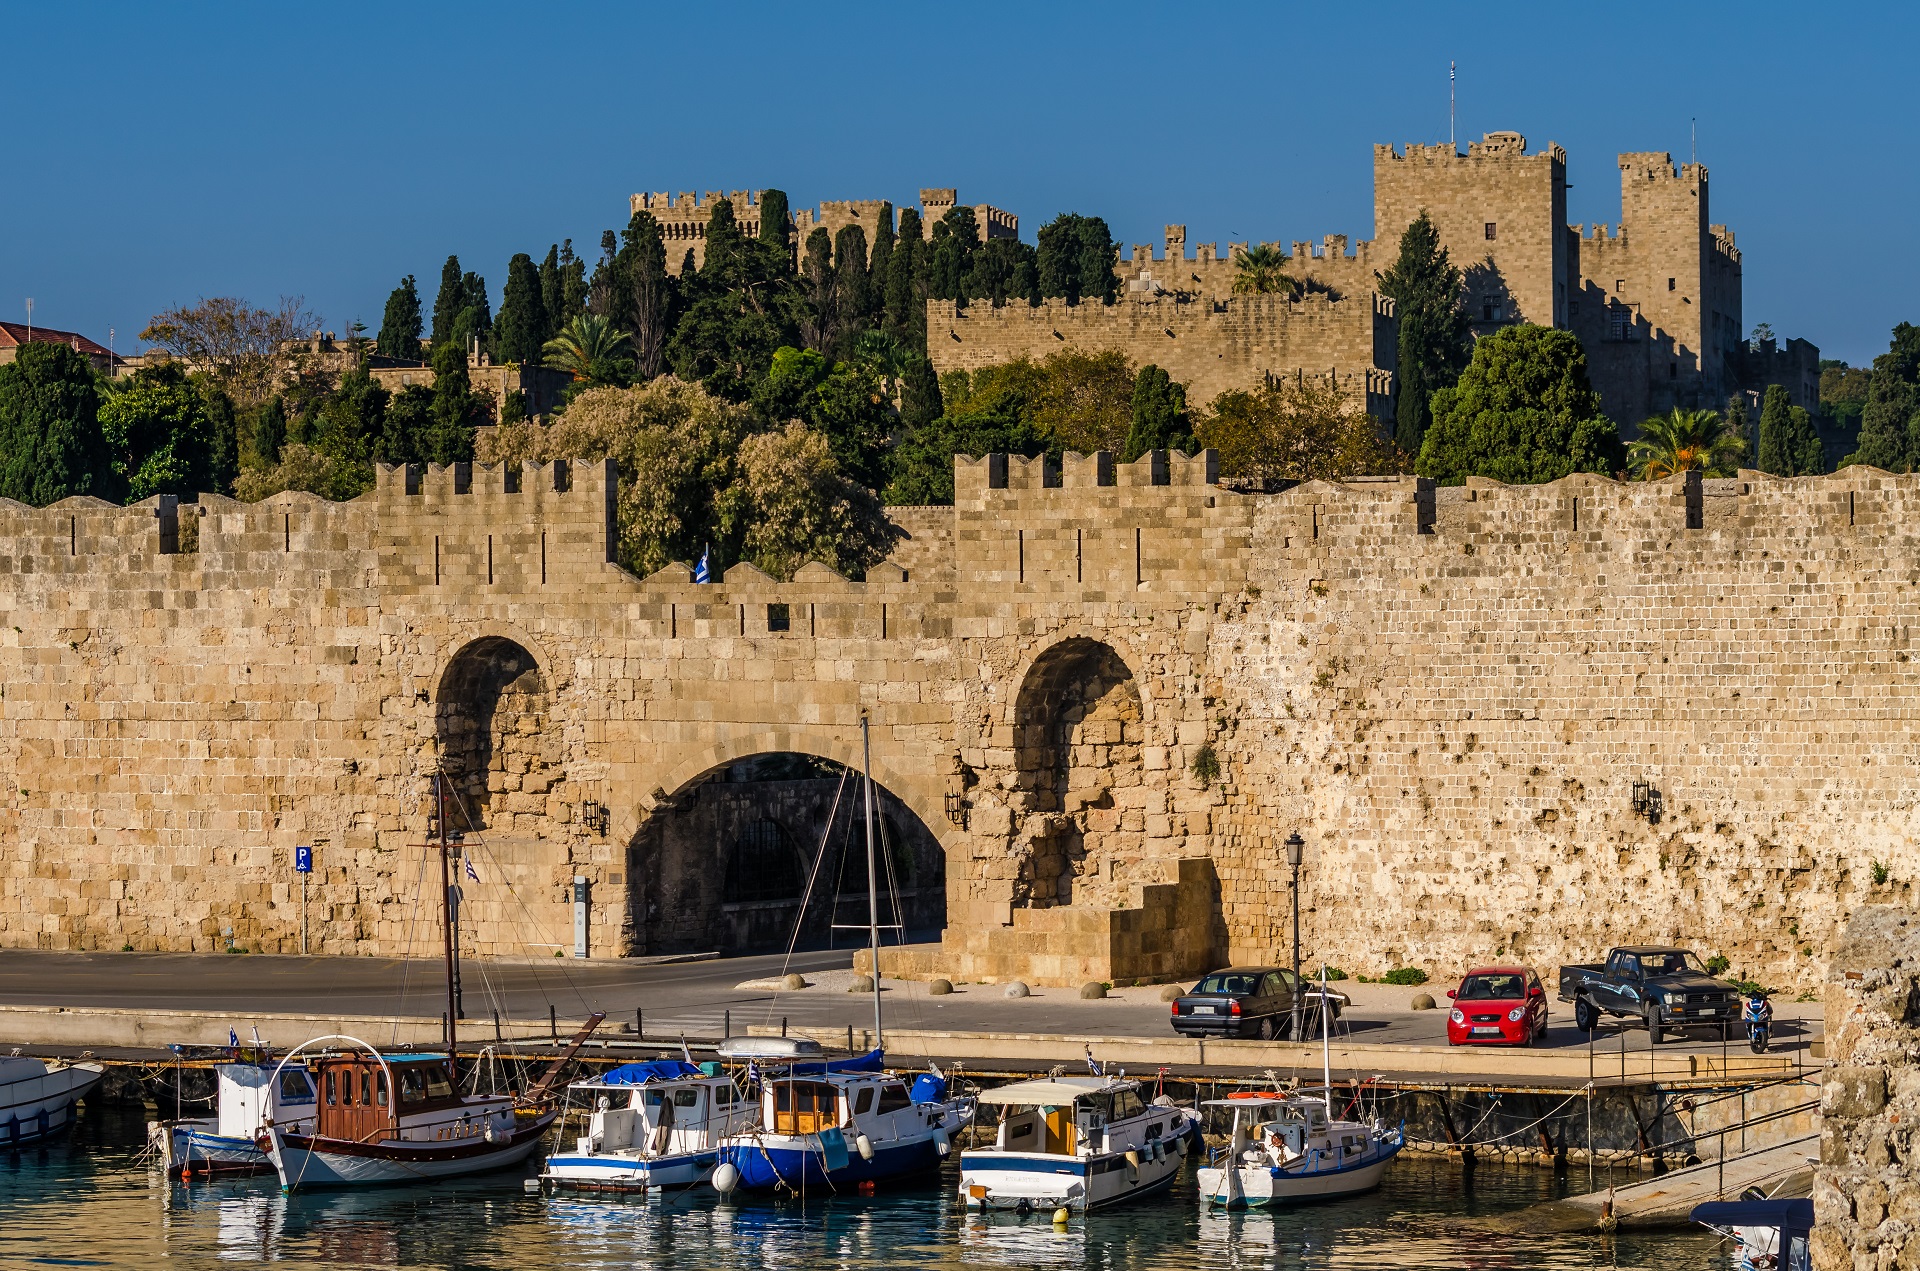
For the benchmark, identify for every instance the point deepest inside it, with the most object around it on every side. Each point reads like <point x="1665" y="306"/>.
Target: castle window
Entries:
<point x="1619" y="285"/>
<point x="779" y="618"/>
<point x="1669" y="284"/>
<point x="1490" y="231"/>
<point x="1490" y="311"/>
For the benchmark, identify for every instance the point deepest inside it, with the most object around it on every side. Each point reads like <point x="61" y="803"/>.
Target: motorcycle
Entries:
<point x="1757" y="1013"/>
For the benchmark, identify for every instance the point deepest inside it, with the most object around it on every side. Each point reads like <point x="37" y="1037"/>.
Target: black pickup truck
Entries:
<point x="1664" y="987"/>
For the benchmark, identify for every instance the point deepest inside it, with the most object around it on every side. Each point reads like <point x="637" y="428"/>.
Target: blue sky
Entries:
<point x="160" y="153"/>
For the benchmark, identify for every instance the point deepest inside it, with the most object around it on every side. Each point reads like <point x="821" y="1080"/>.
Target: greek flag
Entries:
<point x="468" y="860"/>
<point x="700" y="572"/>
<point x="233" y="1039"/>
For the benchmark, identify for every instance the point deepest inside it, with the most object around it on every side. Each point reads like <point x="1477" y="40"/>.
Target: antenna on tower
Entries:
<point x="1450" y="109"/>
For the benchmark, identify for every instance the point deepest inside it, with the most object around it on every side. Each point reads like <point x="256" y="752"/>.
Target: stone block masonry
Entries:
<point x="1449" y="693"/>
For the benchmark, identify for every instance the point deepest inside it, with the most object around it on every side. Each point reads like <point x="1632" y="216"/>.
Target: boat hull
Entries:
<point x="1028" y="1182"/>
<point x="42" y="1106"/>
<point x="304" y="1161"/>
<point x="783" y="1162"/>
<point x="1263" y="1187"/>
<point x="626" y="1172"/>
<point x="188" y="1147"/>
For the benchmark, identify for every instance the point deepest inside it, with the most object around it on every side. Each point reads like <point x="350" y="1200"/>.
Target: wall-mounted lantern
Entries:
<point x="594" y="817"/>
<point x="959" y="810"/>
<point x="1646" y="801"/>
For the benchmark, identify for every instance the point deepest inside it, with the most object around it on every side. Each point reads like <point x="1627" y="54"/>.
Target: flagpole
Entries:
<point x="1450" y="109"/>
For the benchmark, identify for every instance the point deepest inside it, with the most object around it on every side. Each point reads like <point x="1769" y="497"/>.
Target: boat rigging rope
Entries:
<point x="406" y="953"/>
<point x="806" y="897"/>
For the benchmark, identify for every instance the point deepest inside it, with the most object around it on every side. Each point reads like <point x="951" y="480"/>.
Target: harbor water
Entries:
<point x="91" y="1201"/>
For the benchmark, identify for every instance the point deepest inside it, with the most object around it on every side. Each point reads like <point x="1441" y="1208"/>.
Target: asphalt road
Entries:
<point x="695" y="999"/>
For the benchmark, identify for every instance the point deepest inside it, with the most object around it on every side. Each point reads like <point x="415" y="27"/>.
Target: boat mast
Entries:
<point x="1326" y="1046"/>
<point x="873" y="879"/>
<point x="446" y="916"/>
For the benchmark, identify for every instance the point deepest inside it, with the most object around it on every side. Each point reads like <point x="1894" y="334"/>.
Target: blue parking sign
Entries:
<point x="303" y="860"/>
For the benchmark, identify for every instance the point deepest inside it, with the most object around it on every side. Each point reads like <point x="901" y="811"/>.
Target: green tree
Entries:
<point x="1295" y="430"/>
<point x="1685" y="440"/>
<point x="1075" y="259"/>
<point x="51" y="445"/>
<point x="474" y="322"/>
<point x="1523" y="411"/>
<point x="644" y="292"/>
<point x="1890" y="420"/>
<point x="1789" y="439"/>
<point x="456" y="410"/>
<point x="879" y="262"/>
<point x="1159" y="415"/>
<point x="553" y="293"/>
<point x="907" y="284"/>
<point x="1810" y="458"/>
<point x="409" y="419"/>
<point x="592" y="351"/>
<point x="521" y="329"/>
<point x="854" y="304"/>
<point x="816" y="315"/>
<point x="451" y="299"/>
<point x="573" y="286"/>
<point x="950" y="255"/>
<point x="168" y="435"/>
<point x="793" y="503"/>
<point x="1261" y="270"/>
<point x="302" y="468"/>
<point x="920" y="402"/>
<point x="994" y="417"/>
<point x="268" y="434"/>
<point x="1084" y="401"/>
<point x="742" y="297"/>
<point x="1435" y="339"/>
<point x="399" y="336"/>
<point x="776" y="218"/>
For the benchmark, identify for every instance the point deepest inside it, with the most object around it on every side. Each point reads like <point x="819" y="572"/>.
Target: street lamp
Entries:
<point x="1296" y="846"/>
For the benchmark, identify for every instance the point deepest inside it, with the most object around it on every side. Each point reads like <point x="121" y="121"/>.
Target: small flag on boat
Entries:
<point x="233" y="1039"/>
<point x="469" y="863"/>
<point x="700" y="571"/>
<point x="1094" y="1066"/>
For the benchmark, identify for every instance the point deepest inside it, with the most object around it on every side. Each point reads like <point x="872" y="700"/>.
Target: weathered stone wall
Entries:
<point x="1211" y="346"/>
<point x="1448" y="692"/>
<point x="1866" y="1193"/>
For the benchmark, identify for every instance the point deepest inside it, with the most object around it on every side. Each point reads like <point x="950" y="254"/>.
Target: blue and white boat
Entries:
<point x="836" y="1126"/>
<point x="247" y="1096"/>
<point x="659" y="1124"/>
<point x="37" y="1100"/>
<point x="1074" y="1143"/>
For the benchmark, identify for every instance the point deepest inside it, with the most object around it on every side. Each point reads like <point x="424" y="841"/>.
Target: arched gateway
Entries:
<point x="1105" y="694"/>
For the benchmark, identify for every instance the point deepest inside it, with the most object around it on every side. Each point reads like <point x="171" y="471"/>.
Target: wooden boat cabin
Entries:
<point x="357" y="1104"/>
<point x="799" y="1105"/>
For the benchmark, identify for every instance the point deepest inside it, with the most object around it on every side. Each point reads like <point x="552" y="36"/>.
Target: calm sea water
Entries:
<point x="87" y="1201"/>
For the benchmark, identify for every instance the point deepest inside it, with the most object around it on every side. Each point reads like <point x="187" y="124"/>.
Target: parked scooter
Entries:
<point x="1757" y="1012"/>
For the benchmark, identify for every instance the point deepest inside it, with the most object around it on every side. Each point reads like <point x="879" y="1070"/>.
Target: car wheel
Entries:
<point x="1267" y="1029"/>
<point x="1656" y="1026"/>
<point x="1583" y="1016"/>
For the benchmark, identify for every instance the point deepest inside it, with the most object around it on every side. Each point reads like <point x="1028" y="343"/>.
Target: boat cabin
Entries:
<point x="1075" y="1116"/>
<point x="807" y="1105"/>
<point x="362" y="1097"/>
<point x="1291" y="1126"/>
<point x="660" y="1108"/>
<point x="252" y="1094"/>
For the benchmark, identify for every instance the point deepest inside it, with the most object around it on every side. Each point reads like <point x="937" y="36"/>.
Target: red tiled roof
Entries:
<point x="14" y="334"/>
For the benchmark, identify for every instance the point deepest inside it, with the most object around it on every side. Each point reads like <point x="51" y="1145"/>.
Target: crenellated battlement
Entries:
<point x="1503" y="147"/>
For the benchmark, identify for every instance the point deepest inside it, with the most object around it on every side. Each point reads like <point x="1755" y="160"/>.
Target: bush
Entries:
<point x="1206" y="765"/>
<point x="1717" y="965"/>
<point x="1404" y="975"/>
<point x="1333" y="973"/>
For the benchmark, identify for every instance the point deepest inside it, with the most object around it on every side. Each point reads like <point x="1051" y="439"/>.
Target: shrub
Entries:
<point x="1879" y="871"/>
<point x="1206" y="765"/>
<point x="1717" y="965"/>
<point x="1334" y="973"/>
<point x="1404" y="975"/>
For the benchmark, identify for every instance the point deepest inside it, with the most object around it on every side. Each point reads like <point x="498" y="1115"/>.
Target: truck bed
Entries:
<point x="1572" y="977"/>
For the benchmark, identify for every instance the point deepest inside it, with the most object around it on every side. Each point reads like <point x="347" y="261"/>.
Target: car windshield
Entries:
<point x="1230" y="983"/>
<point x="1669" y="963"/>
<point x="1490" y="988"/>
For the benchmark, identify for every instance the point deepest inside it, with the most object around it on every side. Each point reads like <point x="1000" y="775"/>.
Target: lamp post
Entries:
<point x="1295" y="847"/>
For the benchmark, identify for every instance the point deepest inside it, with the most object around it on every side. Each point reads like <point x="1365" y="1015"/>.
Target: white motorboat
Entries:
<point x="1074" y="1143"/>
<point x="1288" y="1148"/>
<point x="247" y="1095"/>
<point x="37" y="1100"/>
<point x="659" y="1124"/>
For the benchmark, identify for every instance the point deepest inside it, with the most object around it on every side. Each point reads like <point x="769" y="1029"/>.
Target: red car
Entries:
<point x="1498" y="1006"/>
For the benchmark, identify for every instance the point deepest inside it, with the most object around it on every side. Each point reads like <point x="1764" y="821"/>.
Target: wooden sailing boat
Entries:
<point x="399" y="1117"/>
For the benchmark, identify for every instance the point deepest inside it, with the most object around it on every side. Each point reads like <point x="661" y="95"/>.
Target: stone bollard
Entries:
<point x="1092" y="989"/>
<point x="1423" y="1002"/>
<point x="1017" y="989"/>
<point x="795" y="981"/>
<point x="1172" y="992"/>
<point x="939" y="988"/>
<point x="861" y="984"/>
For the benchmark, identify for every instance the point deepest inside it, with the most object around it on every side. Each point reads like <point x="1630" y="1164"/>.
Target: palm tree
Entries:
<point x="1261" y="270"/>
<point x="592" y="349"/>
<point x="1684" y="440"/>
<point x="884" y="355"/>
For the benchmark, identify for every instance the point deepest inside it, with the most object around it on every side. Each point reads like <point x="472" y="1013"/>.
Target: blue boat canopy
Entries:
<point x="657" y="1070"/>
<point x="1788" y="1215"/>
<point x="872" y="1061"/>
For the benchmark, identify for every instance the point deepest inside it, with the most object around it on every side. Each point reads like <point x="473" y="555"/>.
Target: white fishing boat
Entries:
<point x="652" y="1125"/>
<point x="1291" y="1148"/>
<point x="1074" y="1143"/>
<point x="247" y="1095"/>
<point x="399" y="1117"/>
<point x="37" y="1099"/>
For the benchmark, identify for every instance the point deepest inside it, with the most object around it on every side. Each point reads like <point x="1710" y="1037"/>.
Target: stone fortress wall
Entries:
<point x="1449" y="693"/>
<point x="683" y="220"/>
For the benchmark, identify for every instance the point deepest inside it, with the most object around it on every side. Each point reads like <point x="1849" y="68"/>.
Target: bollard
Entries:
<point x="639" y="1025"/>
<point x="553" y="1022"/>
<point x="497" y="1038"/>
<point x="849" y="1039"/>
<point x="726" y="1028"/>
<point x="783" y="1026"/>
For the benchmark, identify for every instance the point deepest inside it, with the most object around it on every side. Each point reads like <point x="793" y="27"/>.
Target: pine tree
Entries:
<point x="522" y="327"/>
<point x="775" y="218"/>
<point x="852" y="288"/>
<point x="1776" y="452"/>
<point x="451" y="300"/>
<point x="399" y="336"/>
<point x="906" y="284"/>
<point x="1159" y="415"/>
<point x="1435" y="339"/>
<point x="573" y="287"/>
<point x="819" y="320"/>
<point x="553" y="294"/>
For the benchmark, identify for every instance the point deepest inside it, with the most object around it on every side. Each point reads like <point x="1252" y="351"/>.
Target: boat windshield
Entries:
<point x="1495" y="987"/>
<point x="423" y="1083"/>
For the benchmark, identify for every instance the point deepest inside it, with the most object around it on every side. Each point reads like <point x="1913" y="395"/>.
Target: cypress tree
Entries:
<point x="642" y="272"/>
<point x="906" y="284"/>
<point x="774" y="218"/>
<point x="522" y="327"/>
<point x="573" y="287"/>
<point x="1435" y="340"/>
<point x="1159" y="415"/>
<point x="474" y="321"/>
<point x="723" y="265"/>
<point x="51" y="443"/>
<point x="879" y="260"/>
<point x="1776" y="433"/>
<point x="1098" y="253"/>
<point x="1893" y="404"/>
<point x="601" y="292"/>
<point x="269" y="432"/>
<point x="852" y="287"/>
<point x="817" y="288"/>
<point x="449" y="434"/>
<point x="400" y="326"/>
<point x="553" y="294"/>
<point x="1809" y="457"/>
<point x="920" y="402"/>
<point x="451" y="300"/>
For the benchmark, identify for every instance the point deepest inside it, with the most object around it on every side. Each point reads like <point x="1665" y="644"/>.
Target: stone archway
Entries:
<point x="490" y="719"/>
<point x="1079" y="732"/>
